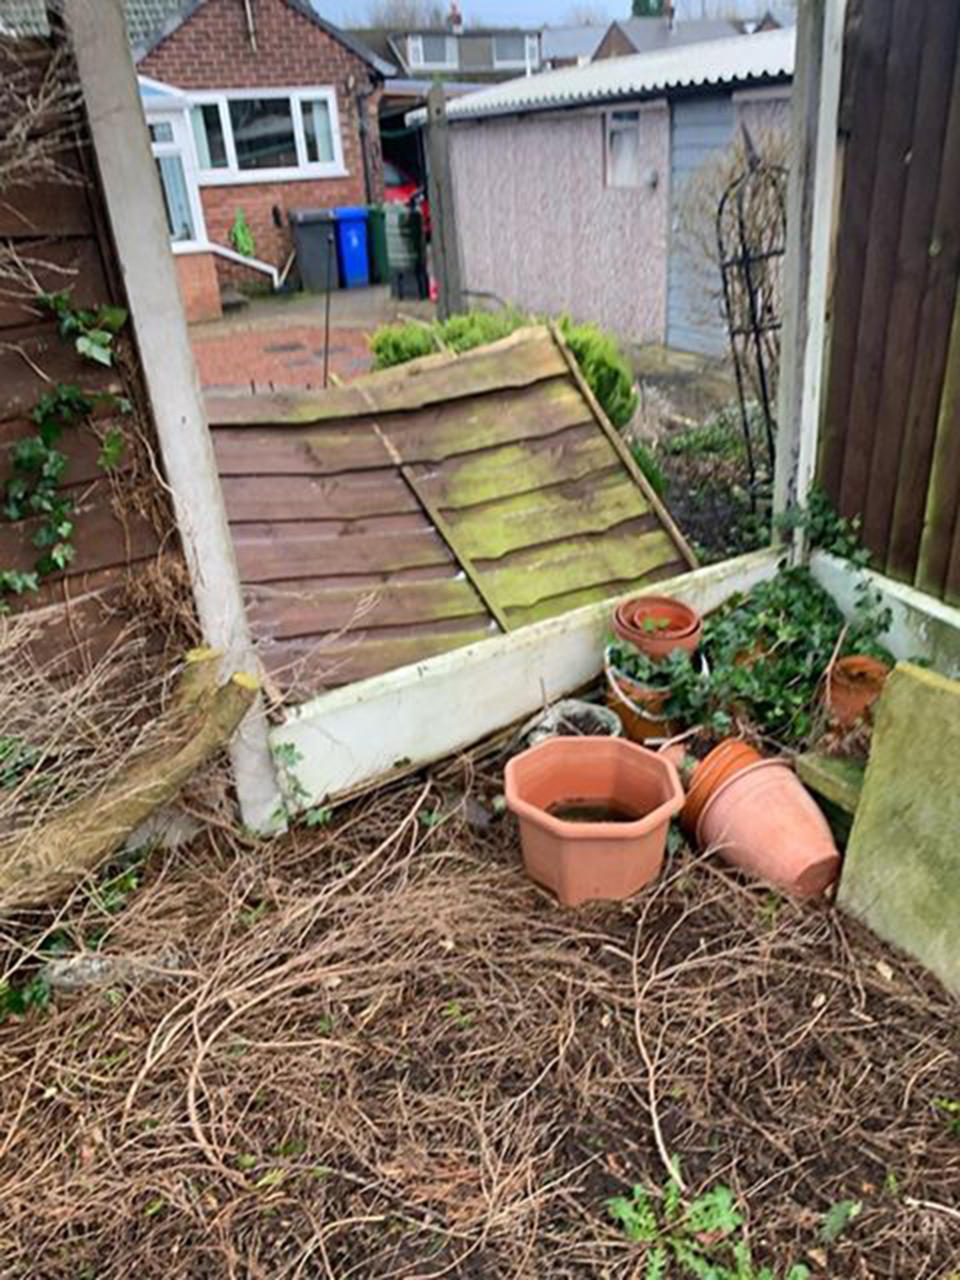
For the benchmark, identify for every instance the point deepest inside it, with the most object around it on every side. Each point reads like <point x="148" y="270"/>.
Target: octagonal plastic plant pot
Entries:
<point x="583" y="861"/>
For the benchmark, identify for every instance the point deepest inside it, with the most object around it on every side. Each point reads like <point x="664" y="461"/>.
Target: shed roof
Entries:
<point x="739" y="59"/>
<point x="422" y="508"/>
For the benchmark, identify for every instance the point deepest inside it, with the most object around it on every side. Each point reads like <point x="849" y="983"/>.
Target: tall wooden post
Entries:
<point x="810" y="200"/>
<point x="443" y="217"/>
<point x="128" y="176"/>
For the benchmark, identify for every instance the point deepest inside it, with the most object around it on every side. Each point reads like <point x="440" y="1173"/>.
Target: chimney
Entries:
<point x="455" y="18"/>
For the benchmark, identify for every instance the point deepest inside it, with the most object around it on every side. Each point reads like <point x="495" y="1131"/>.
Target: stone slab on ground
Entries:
<point x="836" y="786"/>
<point x="901" y="874"/>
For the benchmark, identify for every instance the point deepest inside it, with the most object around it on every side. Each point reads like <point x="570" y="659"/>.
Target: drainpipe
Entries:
<point x="363" y="129"/>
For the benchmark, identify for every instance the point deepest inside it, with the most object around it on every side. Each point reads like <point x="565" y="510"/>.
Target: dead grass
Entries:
<point x="379" y="1051"/>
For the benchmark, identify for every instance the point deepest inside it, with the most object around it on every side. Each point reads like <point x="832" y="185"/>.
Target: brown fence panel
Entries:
<point x="888" y="444"/>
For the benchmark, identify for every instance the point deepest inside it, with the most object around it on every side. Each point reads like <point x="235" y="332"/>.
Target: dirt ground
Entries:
<point x="375" y="1049"/>
<point x="279" y="341"/>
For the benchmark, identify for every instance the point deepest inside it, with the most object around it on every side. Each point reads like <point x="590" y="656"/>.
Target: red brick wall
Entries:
<point x="212" y="50"/>
<point x="199" y="286"/>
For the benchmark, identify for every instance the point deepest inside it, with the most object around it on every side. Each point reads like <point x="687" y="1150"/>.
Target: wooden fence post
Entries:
<point x="443" y="217"/>
<point x="815" y="103"/>
<point x="131" y="189"/>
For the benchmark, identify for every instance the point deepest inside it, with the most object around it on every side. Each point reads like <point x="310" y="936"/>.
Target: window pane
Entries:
<point x="208" y="133"/>
<point x="162" y="132"/>
<point x="624" y="156"/>
<point x="434" y="49"/>
<point x="263" y="133"/>
<point x="508" y="48"/>
<point x="317" y="131"/>
<point x="175" y="199"/>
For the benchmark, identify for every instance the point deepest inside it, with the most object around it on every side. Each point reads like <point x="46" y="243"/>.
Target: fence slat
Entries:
<point x="919" y="207"/>
<point x="929" y="366"/>
<point x="943" y="499"/>
<point x="886" y="204"/>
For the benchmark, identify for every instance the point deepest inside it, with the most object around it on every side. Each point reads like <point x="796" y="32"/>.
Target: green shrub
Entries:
<point x="602" y="363"/>
<point x="646" y="460"/>
<point x="477" y="328"/>
<point x="605" y="369"/>
<point x="397" y="343"/>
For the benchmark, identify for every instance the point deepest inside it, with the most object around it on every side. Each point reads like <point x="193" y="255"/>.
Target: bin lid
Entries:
<point x="350" y="211"/>
<point x="310" y="215"/>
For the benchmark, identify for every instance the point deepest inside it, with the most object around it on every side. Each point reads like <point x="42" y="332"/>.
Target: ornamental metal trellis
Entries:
<point x="751" y="238"/>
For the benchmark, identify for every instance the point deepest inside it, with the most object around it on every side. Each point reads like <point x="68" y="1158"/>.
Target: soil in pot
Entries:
<point x="851" y="688"/>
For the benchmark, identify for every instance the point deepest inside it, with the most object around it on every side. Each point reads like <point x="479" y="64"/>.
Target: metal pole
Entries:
<point x="326" y="317"/>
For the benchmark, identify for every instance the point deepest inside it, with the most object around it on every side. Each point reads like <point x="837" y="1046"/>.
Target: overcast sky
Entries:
<point x="352" y="13"/>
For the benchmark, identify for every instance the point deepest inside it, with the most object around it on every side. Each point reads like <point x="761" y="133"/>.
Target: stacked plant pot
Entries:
<point x="655" y="626"/>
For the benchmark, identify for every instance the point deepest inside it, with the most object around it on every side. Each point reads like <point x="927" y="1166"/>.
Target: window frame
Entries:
<point x="231" y="175"/>
<point x="609" y="128"/>
<point x="530" y="41"/>
<point x="181" y="146"/>
<point x="451" y="46"/>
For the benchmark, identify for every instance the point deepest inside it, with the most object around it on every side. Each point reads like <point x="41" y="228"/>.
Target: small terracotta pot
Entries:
<point x="682" y="626"/>
<point x="639" y="707"/>
<point x="731" y="757"/>
<point x="852" y="687"/>
<point x="582" y="861"/>
<point x="764" y="821"/>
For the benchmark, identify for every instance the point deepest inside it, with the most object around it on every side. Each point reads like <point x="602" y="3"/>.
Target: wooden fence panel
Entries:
<point x="885" y="431"/>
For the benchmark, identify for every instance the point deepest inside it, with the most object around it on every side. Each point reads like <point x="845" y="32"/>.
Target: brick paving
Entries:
<point x="265" y="358"/>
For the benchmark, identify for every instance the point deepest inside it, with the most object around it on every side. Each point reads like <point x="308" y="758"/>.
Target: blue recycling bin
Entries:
<point x="352" y="245"/>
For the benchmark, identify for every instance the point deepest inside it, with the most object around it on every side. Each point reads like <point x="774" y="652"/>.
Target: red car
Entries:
<point x="400" y="188"/>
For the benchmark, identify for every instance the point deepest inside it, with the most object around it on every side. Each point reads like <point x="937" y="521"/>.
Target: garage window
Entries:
<point x="623" y="149"/>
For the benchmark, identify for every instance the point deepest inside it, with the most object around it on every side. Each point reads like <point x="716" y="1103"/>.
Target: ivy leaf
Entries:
<point x="111" y="449"/>
<point x="95" y="345"/>
<point x="111" y="318"/>
<point x="837" y="1218"/>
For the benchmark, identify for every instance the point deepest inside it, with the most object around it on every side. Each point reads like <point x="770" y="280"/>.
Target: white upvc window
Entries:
<point x="515" y="49"/>
<point x="432" y="50"/>
<point x="173" y="156"/>
<point x="266" y="135"/>
<point x="623" y="149"/>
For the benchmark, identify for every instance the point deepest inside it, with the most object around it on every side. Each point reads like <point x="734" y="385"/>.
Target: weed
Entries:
<point x="18" y="1001"/>
<point x="318" y="816"/>
<point x="430" y="818"/>
<point x="17" y="758"/>
<point x="646" y="460"/>
<point x="457" y="1015"/>
<point x="701" y="1237"/>
<point x="837" y="1218"/>
<point x="949" y="1108"/>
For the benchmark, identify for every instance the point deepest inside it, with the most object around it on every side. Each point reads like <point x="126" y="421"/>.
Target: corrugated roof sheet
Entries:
<point x="429" y="506"/>
<point x="739" y="59"/>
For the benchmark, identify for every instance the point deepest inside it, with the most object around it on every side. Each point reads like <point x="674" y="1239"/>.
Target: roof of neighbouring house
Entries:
<point x="647" y="34"/>
<point x="429" y="506"/>
<point x="766" y="56"/>
<point x="570" y="42"/>
<point x="150" y="21"/>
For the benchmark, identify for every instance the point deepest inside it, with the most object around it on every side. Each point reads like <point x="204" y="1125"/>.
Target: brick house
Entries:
<point x="253" y="105"/>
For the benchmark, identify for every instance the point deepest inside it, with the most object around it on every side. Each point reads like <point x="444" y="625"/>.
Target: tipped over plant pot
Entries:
<point x="851" y="686"/>
<point x="657" y="625"/>
<point x="593" y="815"/>
<point x="763" y="820"/>
<point x="730" y="757"/>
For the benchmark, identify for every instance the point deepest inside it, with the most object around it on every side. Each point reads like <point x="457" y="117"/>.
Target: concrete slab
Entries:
<point x="901" y="874"/>
<point x="836" y="786"/>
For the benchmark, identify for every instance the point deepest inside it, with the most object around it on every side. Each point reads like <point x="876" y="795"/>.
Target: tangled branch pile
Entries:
<point x="376" y="1050"/>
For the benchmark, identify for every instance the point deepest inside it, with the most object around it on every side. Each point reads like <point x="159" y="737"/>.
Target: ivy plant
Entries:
<point x="766" y="652"/>
<point x="37" y="464"/>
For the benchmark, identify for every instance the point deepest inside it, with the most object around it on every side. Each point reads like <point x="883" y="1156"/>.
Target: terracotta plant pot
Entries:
<point x="583" y="860"/>
<point x="852" y="687"/>
<point x="764" y="821"/>
<point x="639" y="707"/>
<point x="731" y="757"/>
<point x="671" y="624"/>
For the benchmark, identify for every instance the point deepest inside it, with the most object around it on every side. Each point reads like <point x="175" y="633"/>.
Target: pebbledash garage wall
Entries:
<point x="211" y="48"/>
<point x="540" y="226"/>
